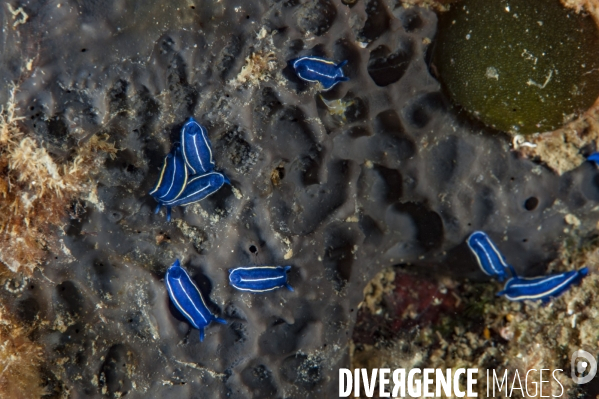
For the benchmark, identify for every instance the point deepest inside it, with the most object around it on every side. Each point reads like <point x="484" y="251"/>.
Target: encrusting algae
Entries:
<point x="35" y="191"/>
<point x="20" y="358"/>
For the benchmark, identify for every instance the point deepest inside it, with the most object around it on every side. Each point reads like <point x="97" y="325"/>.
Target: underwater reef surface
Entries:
<point x="377" y="172"/>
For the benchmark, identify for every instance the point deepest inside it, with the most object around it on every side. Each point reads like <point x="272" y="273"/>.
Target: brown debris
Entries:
<point x="277" y="174"/>
<point x="590" y="6"/>
<point x="35" y="190"/>
<point x="438" y="5"/>
<point x="20" y="359"/>
<point x="258" y="67"/>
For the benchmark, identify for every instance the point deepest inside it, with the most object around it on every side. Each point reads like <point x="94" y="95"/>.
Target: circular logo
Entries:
<point x="581" y="366"/>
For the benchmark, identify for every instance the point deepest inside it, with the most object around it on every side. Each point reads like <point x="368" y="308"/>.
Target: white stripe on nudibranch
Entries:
<point x="541" y="281"/>
<point x="177" y="304"/>
<point x="195" y="146"/>
<point x="282" y="277"/>
<point x="196" y="288"/>
<point x="161" y="176"/>
<point x="204" y="134"/>
<point x="195" y="192"/>
<point x="254" y="290"/>
<point x="479" y="260"/>
<point x="314" y="59"/>
<point x="185" y="176"/>
<point x="313" y="71"/>
<point x="321" y="74"/>
<point x="184" y="183"/>
<point x="185" y="152"/>
<point x="499" y="255"/>
<point x="262" y="279"/>
<point x="488" y="256"/>
<point x="191" y="300"/>
<point x="187" y="196"/>
<point x="206" y="142"/>
<point x="172" y="178"/>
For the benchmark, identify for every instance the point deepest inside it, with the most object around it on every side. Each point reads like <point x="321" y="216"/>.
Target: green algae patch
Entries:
<point x="520" y="66"/>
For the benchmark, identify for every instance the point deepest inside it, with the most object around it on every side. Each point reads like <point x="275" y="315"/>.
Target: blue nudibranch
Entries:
<point x="490" y="260"/>
<point x="198" y="188"/>
<point x="173" y="178"/>
<point x="594" y="157"/>
<point x="196" y="147"/>
<point x="259" y="278"/>
<point x="188" y="174"/>
<point x="188" y="299"/>
<point x="543" y="288"/>
<point x="316" y="69"/>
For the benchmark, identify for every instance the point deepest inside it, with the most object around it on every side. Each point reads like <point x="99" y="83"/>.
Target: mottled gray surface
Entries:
<point x="396" y="180"/>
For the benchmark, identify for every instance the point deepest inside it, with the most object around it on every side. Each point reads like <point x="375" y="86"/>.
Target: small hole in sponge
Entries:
<point x="253" y="249"/>
<point x="531" y="203"/>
